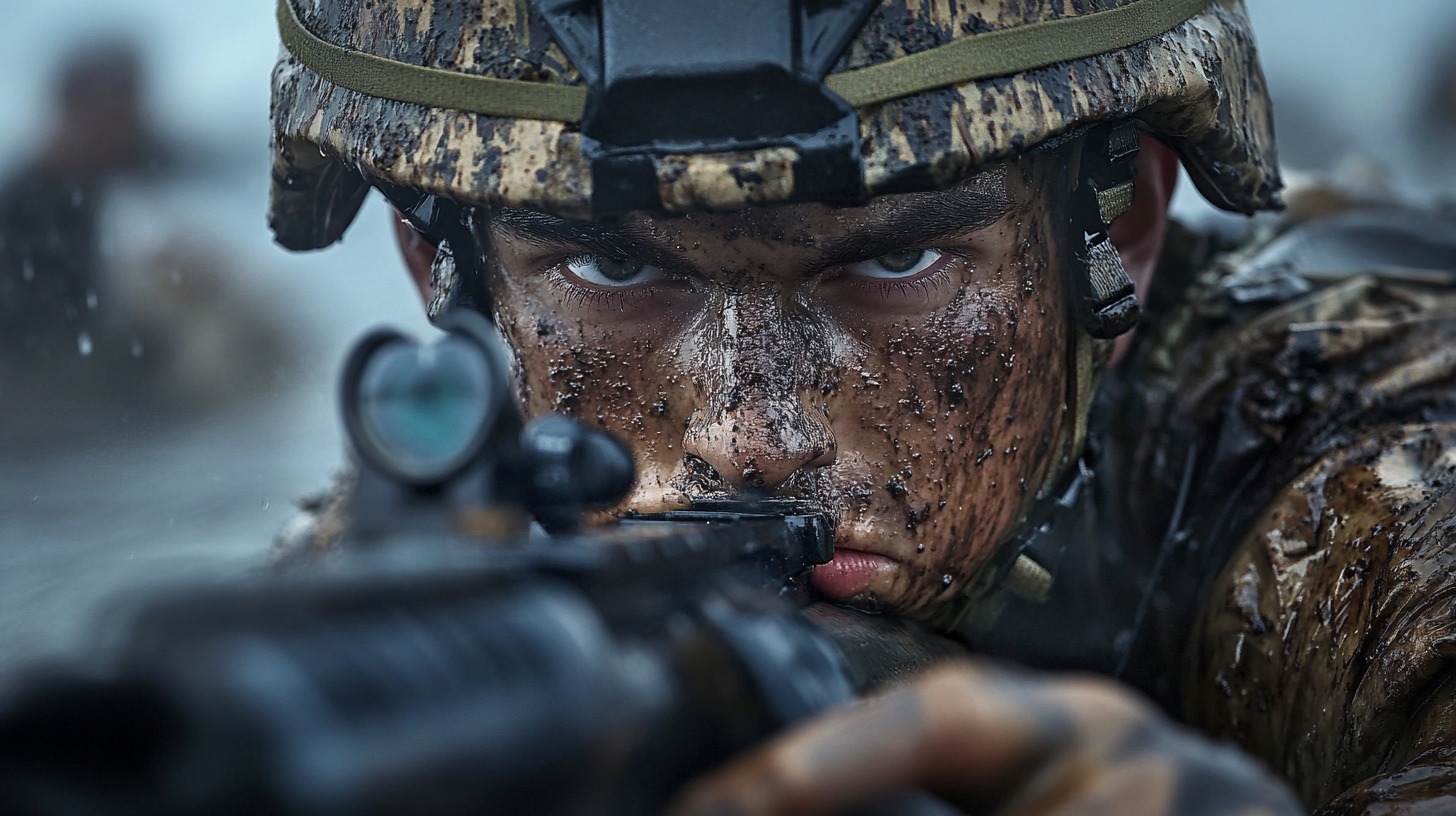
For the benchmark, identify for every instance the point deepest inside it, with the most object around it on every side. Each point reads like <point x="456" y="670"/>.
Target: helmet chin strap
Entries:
<point x="1103" y="298"/>
<point x="457" y="274"/>
<point x="1104" y="306"/>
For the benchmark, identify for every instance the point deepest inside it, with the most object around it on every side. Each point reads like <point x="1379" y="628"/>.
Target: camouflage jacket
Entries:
<point x="1321" y="644"/>
<point x="1264" y="548"/>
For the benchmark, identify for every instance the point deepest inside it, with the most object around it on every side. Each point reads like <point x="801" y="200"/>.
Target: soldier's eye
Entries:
<point x="902" y="264"/>
<point x="606" y="272"/>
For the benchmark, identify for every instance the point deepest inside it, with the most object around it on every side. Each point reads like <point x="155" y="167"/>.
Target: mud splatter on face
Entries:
<point x="901" y="364"/>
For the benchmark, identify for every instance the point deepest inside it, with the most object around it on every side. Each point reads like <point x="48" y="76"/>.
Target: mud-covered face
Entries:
<point x="901" y="364"/>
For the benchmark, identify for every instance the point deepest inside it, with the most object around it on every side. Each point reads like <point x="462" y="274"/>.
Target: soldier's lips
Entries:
<point x="849" y="573"/>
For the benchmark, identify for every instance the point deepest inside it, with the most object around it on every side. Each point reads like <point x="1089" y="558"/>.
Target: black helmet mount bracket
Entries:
<point x="670" y="78"/>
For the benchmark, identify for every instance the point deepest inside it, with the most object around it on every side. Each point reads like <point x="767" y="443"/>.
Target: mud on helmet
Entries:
<point x="583" y="108"/>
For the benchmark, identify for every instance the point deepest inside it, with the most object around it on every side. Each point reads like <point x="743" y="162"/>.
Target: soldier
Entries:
<point x="50" y="264"/>
<point x="884" y="259"/>
<point x="93" y="346"/>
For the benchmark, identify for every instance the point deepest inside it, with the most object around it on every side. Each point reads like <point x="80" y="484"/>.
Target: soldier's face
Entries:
<point x="900" y="364"/>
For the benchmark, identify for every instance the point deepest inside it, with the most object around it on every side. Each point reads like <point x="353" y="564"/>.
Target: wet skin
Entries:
<point x="901" y="364"/>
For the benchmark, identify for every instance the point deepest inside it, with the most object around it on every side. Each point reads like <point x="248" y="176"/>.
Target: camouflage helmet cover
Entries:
<point x="1197" y="86"/>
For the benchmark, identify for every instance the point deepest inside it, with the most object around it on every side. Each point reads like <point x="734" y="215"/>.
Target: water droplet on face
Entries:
<point x="946" y="579"/>
<point x="83" y="344"/>
<point x="919" y="548"/>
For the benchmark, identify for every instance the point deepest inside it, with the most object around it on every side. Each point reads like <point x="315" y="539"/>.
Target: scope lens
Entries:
<point x="423" y="408"/>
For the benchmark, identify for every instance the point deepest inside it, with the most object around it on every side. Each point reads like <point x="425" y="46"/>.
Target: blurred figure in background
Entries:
<point x="50" y="259"/>
<point x="86" y="343"/>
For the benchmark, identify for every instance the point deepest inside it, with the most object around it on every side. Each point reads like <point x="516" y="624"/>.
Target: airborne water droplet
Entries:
<point x="27" y="270"/>
<point x="83" y="344"/>
<point x="91" y="299"/>
<point x="136" y="349"/>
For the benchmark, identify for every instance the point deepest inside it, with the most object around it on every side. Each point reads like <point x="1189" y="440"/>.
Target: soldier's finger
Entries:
<point x="964" y="729"/>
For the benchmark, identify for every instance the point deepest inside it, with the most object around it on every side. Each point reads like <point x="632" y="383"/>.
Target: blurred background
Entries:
<point x="164" y="426"/>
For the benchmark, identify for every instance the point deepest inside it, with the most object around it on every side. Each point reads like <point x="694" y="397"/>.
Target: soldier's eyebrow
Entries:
<point x="917" y="222"/>
<point x="547" y="230"/>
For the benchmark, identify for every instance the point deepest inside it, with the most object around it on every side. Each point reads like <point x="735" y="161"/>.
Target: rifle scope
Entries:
<point x="421" y="413"/>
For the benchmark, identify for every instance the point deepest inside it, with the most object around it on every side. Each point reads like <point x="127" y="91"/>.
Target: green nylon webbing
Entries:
<point x="432" y="87"/>
<point x="1013" y="50"/>
<point x="982" y="56"/>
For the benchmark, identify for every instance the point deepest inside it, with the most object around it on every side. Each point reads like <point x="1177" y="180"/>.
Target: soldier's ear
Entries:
<point x="1139" y="233"/>
<point x="419" y="255"/>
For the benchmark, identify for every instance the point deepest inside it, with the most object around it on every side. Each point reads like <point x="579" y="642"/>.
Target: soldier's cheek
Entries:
<point x="949" y="415"/>
<point x="613" y="370"/>
<point x="632" y="386"/>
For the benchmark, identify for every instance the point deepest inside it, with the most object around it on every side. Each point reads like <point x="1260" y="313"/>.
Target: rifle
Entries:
<point x="451" y="657"/>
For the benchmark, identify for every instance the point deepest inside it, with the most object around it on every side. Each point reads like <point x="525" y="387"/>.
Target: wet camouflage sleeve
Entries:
<point x="1323" y="645"/>
<point x="1326" y="643"/>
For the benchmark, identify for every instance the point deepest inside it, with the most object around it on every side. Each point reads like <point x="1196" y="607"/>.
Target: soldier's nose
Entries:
<point x="759" y="443"/>
<point x="754" y="425"/>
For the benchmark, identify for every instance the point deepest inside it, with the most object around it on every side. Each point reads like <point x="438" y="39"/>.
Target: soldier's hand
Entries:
<point x="992" y="740"/>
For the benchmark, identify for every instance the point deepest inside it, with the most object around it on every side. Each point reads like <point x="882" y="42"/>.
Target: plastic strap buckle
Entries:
<point x="1107" y="305"/>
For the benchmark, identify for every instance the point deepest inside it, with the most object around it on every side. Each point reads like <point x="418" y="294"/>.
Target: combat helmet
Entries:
<point x="584" y="107"/>
<point x="482" y="101"/>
